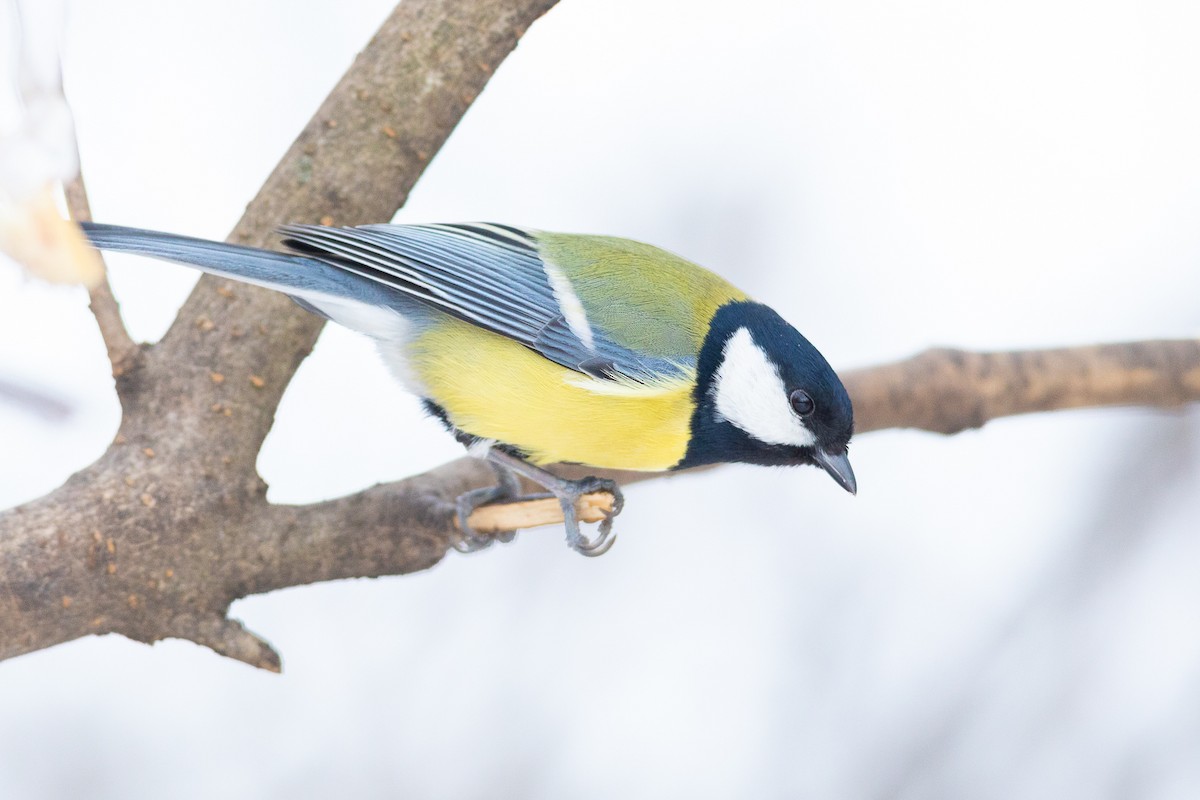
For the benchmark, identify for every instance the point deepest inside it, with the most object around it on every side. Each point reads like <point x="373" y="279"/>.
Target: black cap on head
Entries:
<point x="765" y="395"/>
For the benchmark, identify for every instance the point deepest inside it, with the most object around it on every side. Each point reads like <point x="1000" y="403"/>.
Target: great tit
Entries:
<point x="535" y="348"/>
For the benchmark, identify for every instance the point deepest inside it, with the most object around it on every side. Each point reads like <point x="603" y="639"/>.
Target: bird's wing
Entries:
<point x="495" y="277"/>
<point x="643" y="298"/>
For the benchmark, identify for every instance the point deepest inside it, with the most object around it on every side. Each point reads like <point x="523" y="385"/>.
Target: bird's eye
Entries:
<point x="802" y="403"/>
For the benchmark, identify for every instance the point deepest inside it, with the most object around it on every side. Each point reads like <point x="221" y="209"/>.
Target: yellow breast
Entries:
<point x="494" y="388"/>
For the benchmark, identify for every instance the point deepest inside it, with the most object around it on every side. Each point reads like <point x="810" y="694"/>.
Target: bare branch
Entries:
<point x="122" y="350"/>
<point x="947" y="391"/>
<point x="503" y="517"/>
<point x="229" y="638"/>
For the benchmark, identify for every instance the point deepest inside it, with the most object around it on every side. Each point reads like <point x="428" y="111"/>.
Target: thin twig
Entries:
<point x="122" y="350"/>
<point x="523" y="514"/>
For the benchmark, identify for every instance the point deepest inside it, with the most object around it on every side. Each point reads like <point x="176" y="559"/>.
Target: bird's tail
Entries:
<point x="280" y="271"/>
<point x="320" y="286"/>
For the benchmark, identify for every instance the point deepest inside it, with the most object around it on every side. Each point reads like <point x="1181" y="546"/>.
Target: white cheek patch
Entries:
<point x="750" y="394"/>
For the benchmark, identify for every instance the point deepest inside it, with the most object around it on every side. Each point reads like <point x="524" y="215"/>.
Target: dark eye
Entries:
<point x="802" y="404"/>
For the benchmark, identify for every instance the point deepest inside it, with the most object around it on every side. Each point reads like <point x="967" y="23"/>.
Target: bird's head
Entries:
<point x="765" y="395"/>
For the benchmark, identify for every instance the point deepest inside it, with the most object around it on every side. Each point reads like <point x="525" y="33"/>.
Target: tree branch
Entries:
<point x="171" y="525"/>
<point x="504" y="517"/>
<point x="947" y="391"/>
<point x="122" y="350"/>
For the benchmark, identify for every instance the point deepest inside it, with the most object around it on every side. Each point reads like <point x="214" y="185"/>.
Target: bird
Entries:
<point x="534" y="348"/>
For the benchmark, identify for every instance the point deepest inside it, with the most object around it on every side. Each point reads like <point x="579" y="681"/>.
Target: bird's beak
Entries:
<point x="838" y="467"/>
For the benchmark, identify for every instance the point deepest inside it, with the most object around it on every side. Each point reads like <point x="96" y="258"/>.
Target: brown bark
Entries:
<point x="170" y="525"/>
<point x="947" y="391"/>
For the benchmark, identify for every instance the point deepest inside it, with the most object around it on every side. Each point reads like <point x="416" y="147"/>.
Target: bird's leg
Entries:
<point x="568" y="494"/>
<point x="507" y="487"/>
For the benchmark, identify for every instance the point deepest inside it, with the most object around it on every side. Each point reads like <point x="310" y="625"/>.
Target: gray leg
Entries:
<point x="507" y="488"/>
<point x="568" y="493"/>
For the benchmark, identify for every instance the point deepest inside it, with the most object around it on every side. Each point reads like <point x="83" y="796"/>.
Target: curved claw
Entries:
<point x="591" y="548"/>
<point x="598" y="546"/>
<point x="464" y="505"/>
<point x="605" y="538"/>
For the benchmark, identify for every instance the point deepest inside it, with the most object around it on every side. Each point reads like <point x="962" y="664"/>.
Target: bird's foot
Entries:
<point x="507" y="488"/>
<point x="568" y="494"/>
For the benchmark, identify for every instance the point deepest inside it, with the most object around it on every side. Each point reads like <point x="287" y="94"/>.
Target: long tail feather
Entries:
<point x="280" y="271"/>
<point x="320" y="286"/>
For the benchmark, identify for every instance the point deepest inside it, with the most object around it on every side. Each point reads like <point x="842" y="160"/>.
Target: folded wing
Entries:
<point x="491" y="276"/>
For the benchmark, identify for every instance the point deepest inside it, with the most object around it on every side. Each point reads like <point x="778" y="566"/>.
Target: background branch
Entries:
<point x="947" y="391"/>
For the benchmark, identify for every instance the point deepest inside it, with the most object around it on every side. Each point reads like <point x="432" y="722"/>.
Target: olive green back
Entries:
<point x="643" y="297"/>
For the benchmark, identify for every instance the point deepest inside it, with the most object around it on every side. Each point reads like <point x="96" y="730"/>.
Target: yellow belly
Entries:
<point x="494" y="388"/>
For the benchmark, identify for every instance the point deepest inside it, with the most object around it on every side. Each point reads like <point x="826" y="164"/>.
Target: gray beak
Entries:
<point x="838" y="468"/>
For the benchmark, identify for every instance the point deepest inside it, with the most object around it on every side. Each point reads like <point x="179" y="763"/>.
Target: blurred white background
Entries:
<point x="1012" y="612"/>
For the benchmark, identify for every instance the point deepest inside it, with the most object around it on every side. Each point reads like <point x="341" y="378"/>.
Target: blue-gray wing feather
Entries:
<point x="486" y="274"/>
